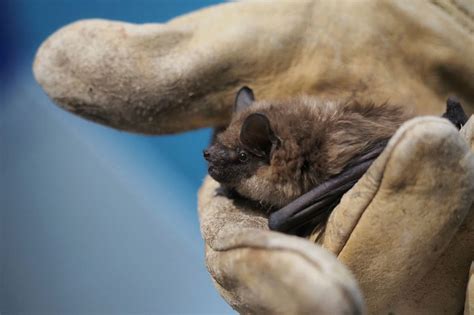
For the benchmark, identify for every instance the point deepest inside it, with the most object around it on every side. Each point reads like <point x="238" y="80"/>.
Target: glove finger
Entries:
<point x="395" y="223"/>
<point x="167" y="78"/>
<point x="443" y="286"/>
<point x="263" y="272"/>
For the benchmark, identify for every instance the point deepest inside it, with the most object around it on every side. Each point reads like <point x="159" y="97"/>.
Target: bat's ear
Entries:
<point x="257" y="135"/>
<point x="243" y="99"/>
<point x="455" y="113"/>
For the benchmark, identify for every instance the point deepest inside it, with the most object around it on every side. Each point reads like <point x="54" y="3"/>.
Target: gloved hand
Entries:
<point x="405" y="230"/>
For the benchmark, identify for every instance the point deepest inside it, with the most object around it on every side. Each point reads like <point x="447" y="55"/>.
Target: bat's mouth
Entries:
<point x="217" y="174"/>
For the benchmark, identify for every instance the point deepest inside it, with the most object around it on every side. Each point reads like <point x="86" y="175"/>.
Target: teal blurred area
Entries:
<point x="93" y="220"/>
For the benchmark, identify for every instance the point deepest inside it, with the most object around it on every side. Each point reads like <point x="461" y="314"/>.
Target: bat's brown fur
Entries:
<point x="317" y="140"/>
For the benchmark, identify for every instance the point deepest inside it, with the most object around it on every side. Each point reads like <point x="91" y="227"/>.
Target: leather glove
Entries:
<point x="405" y="230"/>
<point x="165" y="78"/>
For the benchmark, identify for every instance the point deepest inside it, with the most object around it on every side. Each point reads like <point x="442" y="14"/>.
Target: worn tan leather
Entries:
<point x="401" y="213"/>
<point x="405" y="230"/>
<point x="469" y="306"/>
<point x="166" y="78"/>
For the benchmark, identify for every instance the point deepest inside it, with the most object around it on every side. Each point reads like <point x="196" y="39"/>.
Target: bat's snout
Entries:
<point x="207" y="155"/>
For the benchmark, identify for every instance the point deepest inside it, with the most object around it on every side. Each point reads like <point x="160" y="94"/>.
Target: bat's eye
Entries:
<point x="243" y="157"/>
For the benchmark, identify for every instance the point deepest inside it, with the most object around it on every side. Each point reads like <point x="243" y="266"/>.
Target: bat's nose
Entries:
<point x="206" y="155"/>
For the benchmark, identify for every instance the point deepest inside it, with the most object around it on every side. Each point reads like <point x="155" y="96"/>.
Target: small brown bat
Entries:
<point x="302" y="154"/>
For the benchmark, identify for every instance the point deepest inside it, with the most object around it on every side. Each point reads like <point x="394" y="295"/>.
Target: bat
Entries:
<point x="297" y="157"/>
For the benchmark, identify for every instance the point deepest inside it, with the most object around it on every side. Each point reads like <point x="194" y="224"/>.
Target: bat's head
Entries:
<point x="245" y="146"/>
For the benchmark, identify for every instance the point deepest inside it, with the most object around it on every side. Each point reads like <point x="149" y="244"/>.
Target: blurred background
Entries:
<point x="93" y="220"/>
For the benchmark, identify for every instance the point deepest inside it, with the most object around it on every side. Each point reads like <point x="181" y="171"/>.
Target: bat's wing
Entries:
<point x="321" y="199"/>
<point x="315" y="205"/>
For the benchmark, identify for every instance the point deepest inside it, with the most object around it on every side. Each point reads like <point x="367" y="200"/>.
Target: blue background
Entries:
<point x="93" y="220"/>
